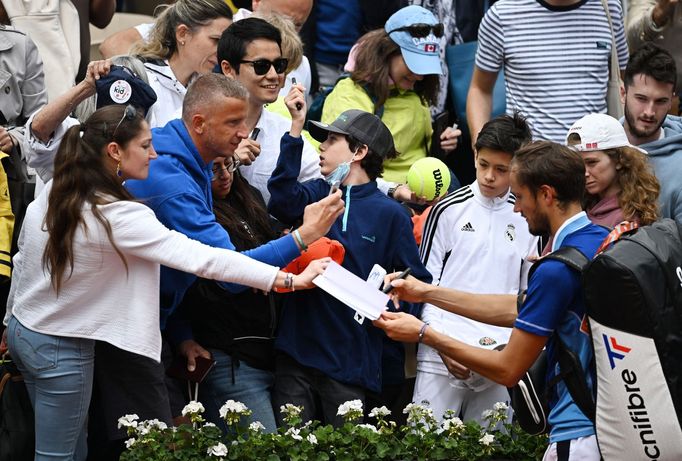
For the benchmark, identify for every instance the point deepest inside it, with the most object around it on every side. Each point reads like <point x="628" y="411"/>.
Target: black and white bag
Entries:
<point x="633" y="296"/>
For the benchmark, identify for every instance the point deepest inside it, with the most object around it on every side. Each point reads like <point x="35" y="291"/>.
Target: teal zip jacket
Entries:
<point x="317" y="330"/>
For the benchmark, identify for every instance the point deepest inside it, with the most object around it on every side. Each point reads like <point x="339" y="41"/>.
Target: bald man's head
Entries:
<point x="297" y="10"/>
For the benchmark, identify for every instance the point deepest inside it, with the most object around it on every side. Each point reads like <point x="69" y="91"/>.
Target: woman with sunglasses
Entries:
<point x="88" y="270"/>
<point x="394" y="74"/>
<point x="182" y="43"/>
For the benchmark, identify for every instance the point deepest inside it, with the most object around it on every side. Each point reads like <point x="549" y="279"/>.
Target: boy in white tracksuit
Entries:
<point x="473" y="241"/>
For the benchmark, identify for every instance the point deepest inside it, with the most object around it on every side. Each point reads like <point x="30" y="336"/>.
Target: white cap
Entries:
<point x="599" y="132"/>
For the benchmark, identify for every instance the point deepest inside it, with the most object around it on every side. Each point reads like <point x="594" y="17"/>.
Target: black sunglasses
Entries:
<point x="128" y="114"/>
<point x="262" y="66"/>
<point x="422" y="30"/>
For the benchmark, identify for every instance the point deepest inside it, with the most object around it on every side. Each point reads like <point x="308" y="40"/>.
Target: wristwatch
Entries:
<point x="391" y="190"/>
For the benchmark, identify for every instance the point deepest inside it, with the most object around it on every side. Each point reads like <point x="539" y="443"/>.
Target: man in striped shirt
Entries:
<point x="555" y="55"/>
<point x="474" y="241"/>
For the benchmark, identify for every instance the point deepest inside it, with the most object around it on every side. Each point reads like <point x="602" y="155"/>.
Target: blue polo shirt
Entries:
<point x="554" y="302"/>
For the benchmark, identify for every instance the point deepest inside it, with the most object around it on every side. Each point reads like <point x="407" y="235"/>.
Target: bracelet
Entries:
<point x="289" y="281"/>
<point x="422" y="331"/>
<point x="297" y="236"/>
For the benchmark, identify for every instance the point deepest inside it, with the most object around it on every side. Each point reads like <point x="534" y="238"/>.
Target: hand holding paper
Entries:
<point x="356" y="293"/>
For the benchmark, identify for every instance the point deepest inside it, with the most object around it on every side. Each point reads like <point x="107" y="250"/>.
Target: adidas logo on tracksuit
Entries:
<point x="468" y="228"/>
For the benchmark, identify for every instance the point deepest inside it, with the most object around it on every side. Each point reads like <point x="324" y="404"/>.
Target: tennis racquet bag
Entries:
<point x="633" y="295"/>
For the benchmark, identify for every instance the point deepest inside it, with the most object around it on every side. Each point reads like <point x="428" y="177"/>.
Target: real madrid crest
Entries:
<point x="510" y="233"/>
<point x="487" y="341"/>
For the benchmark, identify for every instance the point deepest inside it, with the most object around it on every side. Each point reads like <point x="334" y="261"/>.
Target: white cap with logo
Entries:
<point x="599" y="132"/>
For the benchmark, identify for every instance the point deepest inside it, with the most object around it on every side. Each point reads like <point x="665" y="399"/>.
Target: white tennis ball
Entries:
<point x="429" y="177"/>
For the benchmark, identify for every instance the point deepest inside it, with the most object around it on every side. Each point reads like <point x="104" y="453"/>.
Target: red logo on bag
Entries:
<point x="430" y="48"/>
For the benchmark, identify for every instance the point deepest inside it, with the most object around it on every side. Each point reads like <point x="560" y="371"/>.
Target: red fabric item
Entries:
<point x="320" y="248"/>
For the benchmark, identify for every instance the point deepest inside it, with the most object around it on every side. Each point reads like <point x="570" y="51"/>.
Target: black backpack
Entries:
<point x="530" y="396"/>
<point x="633" y="296"/>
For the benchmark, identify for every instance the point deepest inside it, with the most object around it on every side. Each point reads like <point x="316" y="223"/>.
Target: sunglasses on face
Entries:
<point x="262" y="66"/>
<point x="128" y="114"/>
<point x="422" y="30"/>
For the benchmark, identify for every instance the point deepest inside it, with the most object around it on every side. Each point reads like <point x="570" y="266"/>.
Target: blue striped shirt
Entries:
<point x="555" y="59"/>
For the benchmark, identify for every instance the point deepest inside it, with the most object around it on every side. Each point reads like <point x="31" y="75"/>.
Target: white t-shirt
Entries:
<point x="273" y="126"/>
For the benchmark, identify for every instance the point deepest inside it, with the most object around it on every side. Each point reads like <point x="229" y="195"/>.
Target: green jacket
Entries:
<point x="405" y="115"/>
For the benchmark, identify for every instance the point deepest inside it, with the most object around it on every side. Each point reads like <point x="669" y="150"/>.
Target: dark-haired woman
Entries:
<point x="395" y="76"/>
<point x="237" y="329"/>
<point x="88" y="269"/>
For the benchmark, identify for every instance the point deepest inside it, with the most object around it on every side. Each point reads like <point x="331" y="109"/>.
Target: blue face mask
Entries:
<point x="340" y="173"/>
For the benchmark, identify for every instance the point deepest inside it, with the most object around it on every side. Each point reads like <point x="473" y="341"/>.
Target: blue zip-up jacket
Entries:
<point x="178" y="189"/>
<point x="665" y="156"/>
<point x="317" y="330"/>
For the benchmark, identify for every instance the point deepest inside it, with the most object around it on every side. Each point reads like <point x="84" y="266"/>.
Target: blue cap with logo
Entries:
<point x="122" y="86"/>
<point x="412" y="28"/>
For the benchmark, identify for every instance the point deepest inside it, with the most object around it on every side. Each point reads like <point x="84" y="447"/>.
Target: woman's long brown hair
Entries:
<point x="83" y="179"/>
<point x="372" y="63"/>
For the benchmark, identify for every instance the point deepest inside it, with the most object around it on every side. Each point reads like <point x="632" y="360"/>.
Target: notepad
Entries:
<point x="354" y="292"/>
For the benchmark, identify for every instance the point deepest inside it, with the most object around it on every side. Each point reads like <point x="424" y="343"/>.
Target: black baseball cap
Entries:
<point x="363" y="126"/>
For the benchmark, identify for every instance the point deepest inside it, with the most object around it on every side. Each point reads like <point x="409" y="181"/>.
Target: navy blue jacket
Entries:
<point x="317" y="330"/>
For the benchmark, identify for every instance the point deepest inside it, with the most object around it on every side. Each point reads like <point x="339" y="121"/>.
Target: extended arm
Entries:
<point x="505" y="367"/>
<point x="493" y="309"/>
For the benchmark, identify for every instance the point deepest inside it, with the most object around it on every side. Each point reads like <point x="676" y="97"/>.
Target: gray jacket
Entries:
<point x="22" y="84"/>
<point x="665" y="156"/>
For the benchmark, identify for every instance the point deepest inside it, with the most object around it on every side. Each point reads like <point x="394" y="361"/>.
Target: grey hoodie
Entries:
<point x="665" y="156"/>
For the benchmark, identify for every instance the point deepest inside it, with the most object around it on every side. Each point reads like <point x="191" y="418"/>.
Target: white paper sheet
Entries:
<point x="351" y="290"/>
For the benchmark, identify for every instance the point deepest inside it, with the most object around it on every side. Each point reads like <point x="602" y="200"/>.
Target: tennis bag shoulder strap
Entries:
<point x="530" y="396"/>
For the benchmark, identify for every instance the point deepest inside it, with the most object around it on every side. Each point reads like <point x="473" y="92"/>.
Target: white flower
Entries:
<point x="142" y="430"/>
<point x="369" y="427"/>
<point x="217" y="450"/>
<point x="377" y="412"/>
<point x="501" y="407"/>
<point x="452" y="424"/>
<point x="294" y="433"/>
<point x="193" y="408"/>
<point x="232" y="406"/>
<point x="487" y="439"/>
<point x="128" y="421"/>
<point x="290" y="409"/>
<point x="487" y="414"/>
<point x="256" y="426"/>
<point x="210" y="425"/>
<point x="152" y="423"/>
<point x="351" y="405"/>
<point x="130" y="443"/>
<point x="312" y="439"/>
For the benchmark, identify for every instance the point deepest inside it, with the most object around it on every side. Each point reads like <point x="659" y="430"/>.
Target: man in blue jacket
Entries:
<point x="650" y="80"/>
<point x="178" y="189"/>
<point x="326" y="356"/>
